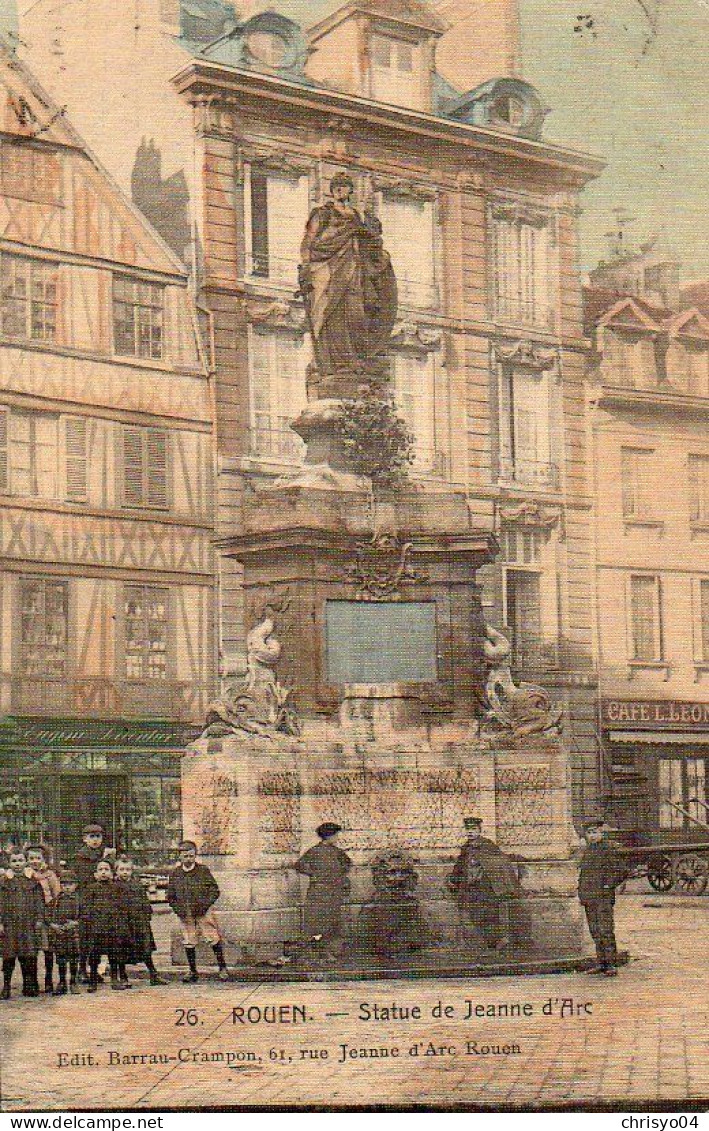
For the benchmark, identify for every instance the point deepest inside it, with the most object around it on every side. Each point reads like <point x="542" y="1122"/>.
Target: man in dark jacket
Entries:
<point x="483" y="881"/>
<point x="600" y="872"/>
<point x="191" y="892"/>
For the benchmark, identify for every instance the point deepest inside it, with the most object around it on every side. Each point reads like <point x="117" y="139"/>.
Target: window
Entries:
<point x="395" y="72"/>
<point x="636" y="468"/>
<point x="29" y="463"/>
<point x="277" y="393"/>
<point x="28" y="172"/>
<point x="682" y="785"/>
<point x="693" y="369"/>
<point x="645" y="610"/>
<point x="414" y="390"/>
<point x="408" y="233"/>
<point x="521" y="544"/>
<point x="146" y="632"/>
<point x="28" y="308"/>
<point x="521" y="269"/>
<point x="698" y="478"/>
<point x="277" y="214"/>
<point x="145" y="454"/>
<point x="523" y="616"/>
<point x="44" y="614"/>
<point x="700" y="604"/>
<point x="629" y="360"/>
<point x="138" y="316"/>
<point x="525" y="440"/>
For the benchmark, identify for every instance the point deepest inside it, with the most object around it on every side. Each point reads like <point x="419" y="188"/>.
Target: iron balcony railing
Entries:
<point x="529" y="473"/>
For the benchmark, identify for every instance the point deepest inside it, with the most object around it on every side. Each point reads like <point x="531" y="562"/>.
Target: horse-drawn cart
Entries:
<point x="681" y="867"/>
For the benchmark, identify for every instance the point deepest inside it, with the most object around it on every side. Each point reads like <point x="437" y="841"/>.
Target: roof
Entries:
<point x="695" y="294"/>
<point x="602" y="307"/>
<point x="597" y="301"/>
<point x="415" y="13"/>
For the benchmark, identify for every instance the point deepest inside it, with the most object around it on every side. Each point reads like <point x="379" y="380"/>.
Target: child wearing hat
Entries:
<point x="22" y="917"/>
<point x="48" y="880"/>
<point x="191" y="892"/>
<point x="105" y="917"/>
<point x="85" y="861"/>
<point x="141" y="932"/>
<point x="64" y="917"/>
<point x="327" y="867"/>
<point x="601" y="870"/>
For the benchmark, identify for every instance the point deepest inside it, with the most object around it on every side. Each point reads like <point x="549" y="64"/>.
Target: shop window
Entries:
<point x="146" y="617"/>
<point x="682" y="792"/>
<point x="698" y="479"/>
<point x="28" y="299"/>
<point x="138" y="318"/>
<point x="277" y="394"/>
<point x="145" y="467"/>
<point x="636" y="473"/>
<point x="44" y="609"/>
<point x="645" y="620"/>
<point x="278" y="208"/>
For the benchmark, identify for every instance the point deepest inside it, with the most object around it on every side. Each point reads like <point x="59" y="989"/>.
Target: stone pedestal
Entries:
<point x="392" y="779"/>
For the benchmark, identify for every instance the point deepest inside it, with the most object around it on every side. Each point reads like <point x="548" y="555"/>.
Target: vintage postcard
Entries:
<point x="354" y="555"/>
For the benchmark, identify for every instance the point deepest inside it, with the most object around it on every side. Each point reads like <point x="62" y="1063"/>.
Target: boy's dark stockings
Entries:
<point x="28" y="966"/>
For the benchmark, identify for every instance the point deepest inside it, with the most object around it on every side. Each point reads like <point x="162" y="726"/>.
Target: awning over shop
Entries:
<point x="655" y="738"/>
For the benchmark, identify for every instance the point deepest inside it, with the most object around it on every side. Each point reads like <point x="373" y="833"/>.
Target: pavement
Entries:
<point x="541" y="1041"/>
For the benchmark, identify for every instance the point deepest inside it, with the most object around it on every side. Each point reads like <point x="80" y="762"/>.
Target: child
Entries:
<point x="87" y="858"/>
<point x="105" y="918"/>
<point x="191" y="892"/>
<point x="48" y="881"/>
<point x="64" y="931"/>
<point x="22" y="915"/>
<point x="142" y="939"/>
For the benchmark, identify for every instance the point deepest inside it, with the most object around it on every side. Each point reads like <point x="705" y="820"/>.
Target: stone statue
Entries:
<point x="252" y="700"/>
<point x="391" y="924"/>
<point x="347" y="283"/>
<point x="520" y="708"/>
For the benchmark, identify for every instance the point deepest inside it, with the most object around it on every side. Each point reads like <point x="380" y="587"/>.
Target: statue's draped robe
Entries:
<point x="349" y="288"/>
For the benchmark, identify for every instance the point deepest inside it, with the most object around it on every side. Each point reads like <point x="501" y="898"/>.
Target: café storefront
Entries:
<point x="656" y="765"/>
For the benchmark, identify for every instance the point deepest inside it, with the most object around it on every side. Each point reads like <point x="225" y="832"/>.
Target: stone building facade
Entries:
<point x="648" y="390"/>
<point x="106" y="496"/>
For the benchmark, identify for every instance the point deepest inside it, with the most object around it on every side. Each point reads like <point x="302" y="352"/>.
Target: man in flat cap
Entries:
<point x="327" y="867"/>
<point x="601" y="870"/>
<point x="483" y="881"/>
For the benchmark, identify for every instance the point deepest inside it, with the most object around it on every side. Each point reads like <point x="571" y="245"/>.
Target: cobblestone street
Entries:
<point x="646" y="1039"/>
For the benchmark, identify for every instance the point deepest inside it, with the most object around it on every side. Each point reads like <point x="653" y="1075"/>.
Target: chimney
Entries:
<point x="482" y="41"/>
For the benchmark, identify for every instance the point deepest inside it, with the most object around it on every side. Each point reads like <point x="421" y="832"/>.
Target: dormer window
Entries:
<point x="395" y="72"/>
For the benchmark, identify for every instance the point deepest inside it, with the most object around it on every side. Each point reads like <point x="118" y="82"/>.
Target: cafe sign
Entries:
<point x="642" y="714"/>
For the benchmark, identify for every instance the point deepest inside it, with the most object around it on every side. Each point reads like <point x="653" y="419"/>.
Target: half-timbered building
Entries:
<point x="106" y="589"/>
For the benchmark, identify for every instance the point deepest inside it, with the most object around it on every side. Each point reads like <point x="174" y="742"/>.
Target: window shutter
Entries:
<point x="76" y="459"/>
<point x="133" y="467"/>
<point x="157" y="459"/>
<point x="4" y="461"/>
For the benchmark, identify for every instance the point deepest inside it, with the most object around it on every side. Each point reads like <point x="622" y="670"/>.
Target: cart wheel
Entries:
<point x="692" y="874"/>
<point x="659" y="873"/>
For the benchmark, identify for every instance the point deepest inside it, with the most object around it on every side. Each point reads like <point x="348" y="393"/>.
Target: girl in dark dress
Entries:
<point x="22" y="920"/>
<point x="106" y="926"/>
<point x="141" y="932"/>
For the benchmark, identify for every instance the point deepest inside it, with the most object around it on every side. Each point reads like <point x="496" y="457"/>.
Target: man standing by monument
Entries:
<point x="327" y="866"/>
<point x="483" y="881"/>
<point x="600" y="873"/>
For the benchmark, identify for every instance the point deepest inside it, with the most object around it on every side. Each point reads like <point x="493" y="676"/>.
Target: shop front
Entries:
<point x="656" y="768"/>
<point x="58" y="775"/>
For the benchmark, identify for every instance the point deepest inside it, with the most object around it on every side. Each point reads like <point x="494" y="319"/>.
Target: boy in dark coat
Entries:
<point x="86" y="859"/>
<point x="105" y="915"/>
<point x="600" y="872"/>
<point x="191" y="892"/>
<point x="48" y="880"/>
<point x="64" y="917"/>
<point x="327" y="866"/>
<point x="22" y="917"/>
<point x="483" y="881"/>
<point x="142" y="938"/>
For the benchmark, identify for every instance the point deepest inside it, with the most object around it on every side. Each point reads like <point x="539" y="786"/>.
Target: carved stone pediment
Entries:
<point x="412" y="335"/>
<point x="531" y="355"/>
<point x="520" y="212"/>
<point x="408" y="190"/>
<point x="380" y="567"/>
<point x="276" y="313"/>
<point x="276" y="161"/>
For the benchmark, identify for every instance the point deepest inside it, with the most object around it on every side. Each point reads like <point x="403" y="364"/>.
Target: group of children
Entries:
<point x="76" y="916"/>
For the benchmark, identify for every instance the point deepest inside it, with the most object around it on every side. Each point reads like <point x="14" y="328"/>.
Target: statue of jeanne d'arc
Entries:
<point x="347" y="282"/>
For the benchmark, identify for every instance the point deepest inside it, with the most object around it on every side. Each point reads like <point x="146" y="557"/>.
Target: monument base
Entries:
<point x="252" y="804"/>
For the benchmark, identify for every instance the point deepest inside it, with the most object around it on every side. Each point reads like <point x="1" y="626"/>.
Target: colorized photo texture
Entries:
<point x="354" y="555"/>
